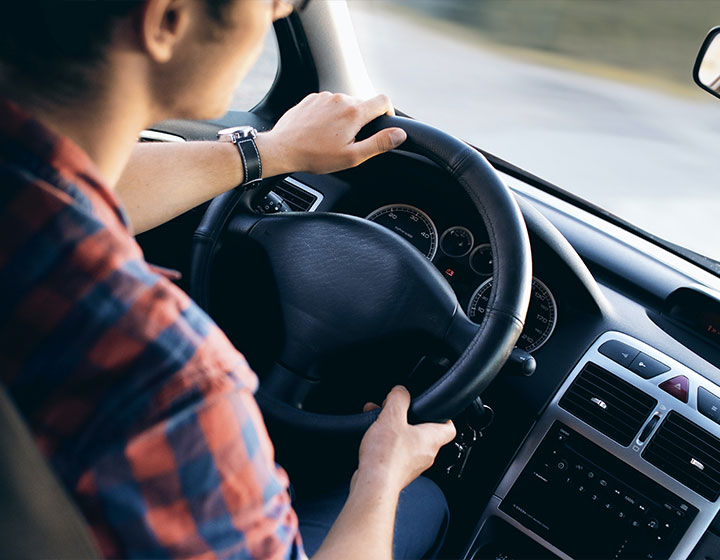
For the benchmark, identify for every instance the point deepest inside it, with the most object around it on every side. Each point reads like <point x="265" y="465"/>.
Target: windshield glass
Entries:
<point x="594" y="96"/>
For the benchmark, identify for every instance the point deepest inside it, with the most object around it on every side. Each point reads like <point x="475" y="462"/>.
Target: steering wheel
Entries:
<point x="317" y="259"/>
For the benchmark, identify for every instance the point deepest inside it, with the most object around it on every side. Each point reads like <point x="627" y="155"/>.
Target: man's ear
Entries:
<point x="163" y="24"/>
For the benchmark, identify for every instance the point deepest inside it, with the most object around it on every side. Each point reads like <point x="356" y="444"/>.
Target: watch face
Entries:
<point x="238" y="132"/>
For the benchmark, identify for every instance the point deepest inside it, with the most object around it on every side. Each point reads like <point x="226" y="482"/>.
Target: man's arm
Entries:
<point x="162" y="181"/>
<point x="392" y="454"/>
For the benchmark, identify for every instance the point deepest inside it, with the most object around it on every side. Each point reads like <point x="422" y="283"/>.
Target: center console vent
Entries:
<point x="297" y="196"/>
<point x="688" y="453"/>
<point x="608" y="403"/>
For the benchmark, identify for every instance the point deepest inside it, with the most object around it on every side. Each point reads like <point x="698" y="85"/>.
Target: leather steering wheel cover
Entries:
<point x="512" y="272"/>
<point x="504" y="319"/>
<point x="205" y="240"/>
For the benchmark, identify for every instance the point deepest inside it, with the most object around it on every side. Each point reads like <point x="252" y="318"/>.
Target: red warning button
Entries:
<point x="678" y="387"/>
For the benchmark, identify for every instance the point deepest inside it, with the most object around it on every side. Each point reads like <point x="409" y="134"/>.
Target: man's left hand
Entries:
<point x="318" y="135"/>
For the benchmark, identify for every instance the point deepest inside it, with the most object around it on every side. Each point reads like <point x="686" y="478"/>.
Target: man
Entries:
<point x="142" y="406"/>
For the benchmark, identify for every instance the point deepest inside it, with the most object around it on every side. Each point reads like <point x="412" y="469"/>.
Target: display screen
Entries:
<point x="710" y="325"/>
<point x="698" y="311"/>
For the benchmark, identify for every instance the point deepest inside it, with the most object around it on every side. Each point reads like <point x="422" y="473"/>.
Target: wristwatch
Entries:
<point x="244" y="139"/>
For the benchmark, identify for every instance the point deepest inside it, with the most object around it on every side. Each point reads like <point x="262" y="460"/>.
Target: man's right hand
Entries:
<point x="393" y="452"/>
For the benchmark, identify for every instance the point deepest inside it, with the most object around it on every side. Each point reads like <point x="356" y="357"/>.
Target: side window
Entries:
<point x="260" y="79"/>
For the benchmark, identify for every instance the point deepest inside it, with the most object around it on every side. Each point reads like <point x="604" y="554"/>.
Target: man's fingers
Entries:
<point x="398" y="401"/>
<point x="446" y="432"/>
<point x="367" y="407"/>
<point x="374" y="107"/>
<point x="379" y="143"/>
<point x="440" y="434"/>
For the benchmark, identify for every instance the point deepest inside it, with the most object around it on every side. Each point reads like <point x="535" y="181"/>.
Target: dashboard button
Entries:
<point x="709" y="404"/>
<point x="678" y="387"/>
<point x="648" y="367"/>
<point x="618" y="352"/>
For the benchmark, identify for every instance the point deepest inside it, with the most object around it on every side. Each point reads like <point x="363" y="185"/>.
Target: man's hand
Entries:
<point x="318" y="135"/>
<point x="393" y="453"/>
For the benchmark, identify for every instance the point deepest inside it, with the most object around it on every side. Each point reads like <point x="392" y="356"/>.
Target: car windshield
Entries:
<point x="594" y="96"/>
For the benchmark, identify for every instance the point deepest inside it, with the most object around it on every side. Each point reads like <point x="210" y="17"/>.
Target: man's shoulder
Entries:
<point x="87" y="329"/>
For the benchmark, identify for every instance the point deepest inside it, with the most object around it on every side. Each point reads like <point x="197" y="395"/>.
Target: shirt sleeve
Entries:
<point x="200" y="483"/>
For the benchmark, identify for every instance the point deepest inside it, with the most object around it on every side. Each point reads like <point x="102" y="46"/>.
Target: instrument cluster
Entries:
<point x="466" y="260"/>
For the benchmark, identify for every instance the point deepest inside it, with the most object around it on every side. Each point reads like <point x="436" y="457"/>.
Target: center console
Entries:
<point x="624" y="463"/>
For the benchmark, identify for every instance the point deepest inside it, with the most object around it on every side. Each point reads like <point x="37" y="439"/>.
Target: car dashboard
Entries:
<point x="611" y="449"/>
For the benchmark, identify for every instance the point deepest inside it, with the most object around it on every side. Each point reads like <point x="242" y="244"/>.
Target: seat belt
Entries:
<point x="37" y="518"/>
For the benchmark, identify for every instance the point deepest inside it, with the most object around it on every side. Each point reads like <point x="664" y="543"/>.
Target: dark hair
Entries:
<point x="50" y="48"/>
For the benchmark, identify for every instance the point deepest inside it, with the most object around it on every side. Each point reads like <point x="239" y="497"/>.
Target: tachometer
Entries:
<point x="411" y="224"/>
<point x="541" y="317"/>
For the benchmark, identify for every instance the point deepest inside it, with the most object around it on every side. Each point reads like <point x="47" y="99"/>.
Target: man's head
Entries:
<point x="187" y="56"/>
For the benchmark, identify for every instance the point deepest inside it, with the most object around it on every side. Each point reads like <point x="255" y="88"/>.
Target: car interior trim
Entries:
<point x="546" y="202"/>
<point x="308" y="189"/>
<point x="631" y="455"/>
<point x="334" y="48"/>
<point x="158" y="136"/>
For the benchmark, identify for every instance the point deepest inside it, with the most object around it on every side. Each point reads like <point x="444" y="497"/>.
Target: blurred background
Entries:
<point x="595" y="96"/>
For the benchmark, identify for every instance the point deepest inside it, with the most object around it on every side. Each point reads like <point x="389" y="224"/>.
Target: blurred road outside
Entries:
<point x="616" y="121"/>
<point x="645" y="153"/>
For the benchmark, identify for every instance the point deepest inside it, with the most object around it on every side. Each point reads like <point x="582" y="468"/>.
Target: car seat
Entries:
<point x="37" y="518"/>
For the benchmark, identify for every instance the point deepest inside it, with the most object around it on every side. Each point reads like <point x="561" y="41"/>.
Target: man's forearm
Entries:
<point x="364" y="528"/>
<point x="161" y="181"/>
<point x="164" y="180"/>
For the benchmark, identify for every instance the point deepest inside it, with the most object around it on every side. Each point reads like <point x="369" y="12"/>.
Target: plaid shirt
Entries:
<point x="140" y="403"/>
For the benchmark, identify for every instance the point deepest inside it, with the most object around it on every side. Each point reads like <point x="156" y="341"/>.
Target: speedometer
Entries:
<point x="541" y="316"/>
<point x="410" y="223"/>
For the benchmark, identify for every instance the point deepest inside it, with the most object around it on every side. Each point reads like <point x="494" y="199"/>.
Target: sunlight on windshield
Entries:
<point x="596" y="97"/>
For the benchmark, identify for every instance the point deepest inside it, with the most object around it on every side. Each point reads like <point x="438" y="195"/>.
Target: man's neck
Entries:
<point x="105" y="126"/>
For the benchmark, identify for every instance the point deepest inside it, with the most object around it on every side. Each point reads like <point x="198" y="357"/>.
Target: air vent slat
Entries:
<point x="687" y="478"/>
<point x="688" y="453"/>
<point x="700" y="446"/>
<point x="629" y="416"/>
<point x="696" y="451"/>
<point x="609" y="404"/>
<point x="295" y="196"/>
<point x="585" y="403"/>
<point x="599" y="383"/>
<point x="679" y="452"/>
<point x="608" y="429"/>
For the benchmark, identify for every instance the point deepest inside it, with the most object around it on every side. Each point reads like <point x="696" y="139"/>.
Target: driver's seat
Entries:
<point x="37" y="519"/>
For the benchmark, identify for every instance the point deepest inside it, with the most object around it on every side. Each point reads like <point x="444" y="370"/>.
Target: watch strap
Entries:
<point x="252" y="166"/>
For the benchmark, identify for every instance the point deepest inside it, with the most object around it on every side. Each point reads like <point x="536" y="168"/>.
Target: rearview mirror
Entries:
<point x="707" y="66"/>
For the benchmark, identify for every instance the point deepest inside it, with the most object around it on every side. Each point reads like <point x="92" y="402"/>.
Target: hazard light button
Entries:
<point x="678" y="387"/>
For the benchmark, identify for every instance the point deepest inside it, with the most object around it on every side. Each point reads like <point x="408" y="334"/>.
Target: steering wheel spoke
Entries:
<point x="286" y="386"/>
<point x="242" y="222"/>
<point x="461" y="332"/>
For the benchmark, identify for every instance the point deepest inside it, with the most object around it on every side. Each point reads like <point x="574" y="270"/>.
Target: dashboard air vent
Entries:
<point x="157" y="136"/>
<point x="688" y="453"/>
<point x="297" y="196"/>
<point x="608" y="403"/>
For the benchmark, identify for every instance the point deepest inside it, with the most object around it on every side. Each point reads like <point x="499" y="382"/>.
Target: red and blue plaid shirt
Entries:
<point x="142" y="406"/>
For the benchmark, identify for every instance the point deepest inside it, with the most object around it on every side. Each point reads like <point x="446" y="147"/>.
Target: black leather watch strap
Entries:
<point x="244" y="139"/>
<point x="252" y="166"/>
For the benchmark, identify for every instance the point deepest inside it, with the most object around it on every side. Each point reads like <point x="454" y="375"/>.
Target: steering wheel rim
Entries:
<point x="488" y="346"/>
